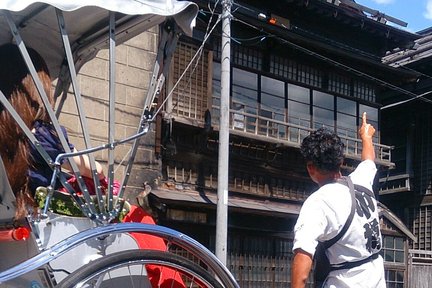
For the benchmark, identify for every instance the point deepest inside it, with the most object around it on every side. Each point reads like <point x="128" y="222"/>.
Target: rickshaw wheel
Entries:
<point x="125" y="269"/>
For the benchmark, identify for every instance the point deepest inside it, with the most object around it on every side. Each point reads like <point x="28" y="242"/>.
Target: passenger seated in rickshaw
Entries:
<point x="21" y="157"/>
<point x="25" y="168"/>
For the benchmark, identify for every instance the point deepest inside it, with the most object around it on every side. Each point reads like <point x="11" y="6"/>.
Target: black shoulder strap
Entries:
<point x="346" y="180"/>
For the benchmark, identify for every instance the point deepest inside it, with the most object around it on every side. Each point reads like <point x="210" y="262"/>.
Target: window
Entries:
<point x="273" y="103"/>
<point x="394" y="278"/>
<point x="298" y="105"/>
<point x="346" y="122"/>
<point x="393" y="250"/>
<point x="298" y="111"/>
<point x="216" y="92"/>
<point x="339" y="84"/>
<point x="189" y="99"/>
<point x="364" y="91"/>
<point x="272" y="106"/>
<point x="309" y="75"/>
<point x="245" y="98"/>
<point x="421" y="219"/>
<point x="283" y="67"/>
<point x="372" y="117"/>
<point x="323" y="110"/>
<point x="247" y="57"/>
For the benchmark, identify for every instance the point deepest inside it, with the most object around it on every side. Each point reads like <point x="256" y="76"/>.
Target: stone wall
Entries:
<point x="134" y="65"/>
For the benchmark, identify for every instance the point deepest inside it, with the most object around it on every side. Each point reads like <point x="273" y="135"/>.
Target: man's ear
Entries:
<point x="310" y="167"/>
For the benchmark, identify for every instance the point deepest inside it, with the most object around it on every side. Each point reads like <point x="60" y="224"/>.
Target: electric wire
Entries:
<point x="338" y="64"/>
<point x="413" y="70"/>
<point x="305" y="31"/>
<point x="198" y="52"/>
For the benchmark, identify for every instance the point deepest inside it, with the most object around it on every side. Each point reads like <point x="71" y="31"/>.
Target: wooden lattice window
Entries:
<point x="339" y="84"/>
<point x="240" y="55"/>
<point x="247" y="57"/>
<point x="309" y="75"/>
<point x="190" y="97"/>
<point x="364" y="91"/>
<point x="283" y="67"/>
<point x="421" y="221"/>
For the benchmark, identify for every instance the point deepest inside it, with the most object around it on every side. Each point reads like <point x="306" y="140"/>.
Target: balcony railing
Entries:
<point x="395" y="184"/>
<point x="290" y="134"/>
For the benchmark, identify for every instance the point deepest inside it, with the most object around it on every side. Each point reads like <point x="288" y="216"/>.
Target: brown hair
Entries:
<point x="18" y="86"/>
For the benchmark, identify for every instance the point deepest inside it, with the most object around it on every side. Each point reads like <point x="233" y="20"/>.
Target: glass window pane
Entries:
<point x="244" y="78"/>
<point x="297" y="110"/>
<point x="216" y="92"/>
<point x="272" y="99"/>
<point x="216" y="70"/>
<point x="323" y="117"/>
<point x="346" y="125"/>
<point x="400" y="276"/>
<point x="272" y="102"/>
<point x="323" y="100"/>
<point x="298" y="93"/>
<point x="244" y="90"/>
<point x="399" y="243"/>
<point x="272" y="86"/>
<point x="389" y="255"/>
<point x="388" y="242"/>
<point x="372" y="113"/>
<point x="346" y="106"/>
<point x="391" y="275"/>
<point x="399" y="256"/>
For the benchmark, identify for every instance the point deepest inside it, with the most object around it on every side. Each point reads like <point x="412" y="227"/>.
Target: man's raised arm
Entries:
<point x="366" y="132"/>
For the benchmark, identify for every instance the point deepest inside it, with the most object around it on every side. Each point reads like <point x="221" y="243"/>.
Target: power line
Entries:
<point x="405" y="101"/>
<point x="336" y="63"/>
<point x="198" y="54"/>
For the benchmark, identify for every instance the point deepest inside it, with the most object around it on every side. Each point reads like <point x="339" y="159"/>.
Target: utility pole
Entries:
<point x="223" y="159"/>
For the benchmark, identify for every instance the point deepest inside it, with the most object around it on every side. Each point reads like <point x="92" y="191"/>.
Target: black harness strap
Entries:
<point x="349" y="265"/>
<point x="348" y="182"/>
<point x="353" y="188"/>
<point x="322" y="264"/>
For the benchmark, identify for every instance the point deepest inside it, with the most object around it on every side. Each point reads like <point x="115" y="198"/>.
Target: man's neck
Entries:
<point x="329" y="177"/>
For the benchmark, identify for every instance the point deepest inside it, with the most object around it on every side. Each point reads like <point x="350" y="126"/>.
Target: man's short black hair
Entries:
<point x="324" y="149"/>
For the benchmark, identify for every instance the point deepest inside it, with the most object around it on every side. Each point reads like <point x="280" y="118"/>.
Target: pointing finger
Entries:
<point x="364" y="118"/>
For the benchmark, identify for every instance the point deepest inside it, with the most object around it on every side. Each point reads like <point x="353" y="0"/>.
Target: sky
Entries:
<point x="417" y="13"/>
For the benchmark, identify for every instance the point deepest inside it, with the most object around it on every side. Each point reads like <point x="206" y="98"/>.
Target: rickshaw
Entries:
<point x="93" y="251"/>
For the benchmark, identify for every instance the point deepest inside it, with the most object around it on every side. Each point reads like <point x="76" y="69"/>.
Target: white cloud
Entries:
<point x="383" y="2"/>
<point x="428" y="13"/>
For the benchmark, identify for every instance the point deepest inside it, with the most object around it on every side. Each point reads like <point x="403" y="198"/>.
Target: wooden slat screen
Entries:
<point x="190" y="98"/>
<point x="421" y="220"/>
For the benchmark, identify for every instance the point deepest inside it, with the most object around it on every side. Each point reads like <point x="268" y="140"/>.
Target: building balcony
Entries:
<point x="395" y="184"/>
<point x="289" y="133"/>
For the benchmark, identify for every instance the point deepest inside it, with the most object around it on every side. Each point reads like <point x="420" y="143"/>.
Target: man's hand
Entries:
<point x="366" y="133"/>
<point x="366" y="130"/>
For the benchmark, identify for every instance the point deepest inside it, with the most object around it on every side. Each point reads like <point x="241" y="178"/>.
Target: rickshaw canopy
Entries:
<point x="87" y="24"/>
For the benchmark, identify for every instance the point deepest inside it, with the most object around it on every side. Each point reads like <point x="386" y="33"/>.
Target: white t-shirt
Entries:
<point x="323" y="215"/>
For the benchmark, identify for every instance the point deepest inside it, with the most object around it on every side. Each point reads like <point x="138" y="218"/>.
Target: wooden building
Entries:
<point x="407" y="121"/>
<point x="297" y="65"/>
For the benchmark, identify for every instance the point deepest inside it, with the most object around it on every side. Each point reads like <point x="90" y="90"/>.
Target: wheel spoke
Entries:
<point x="112" y="271"/>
